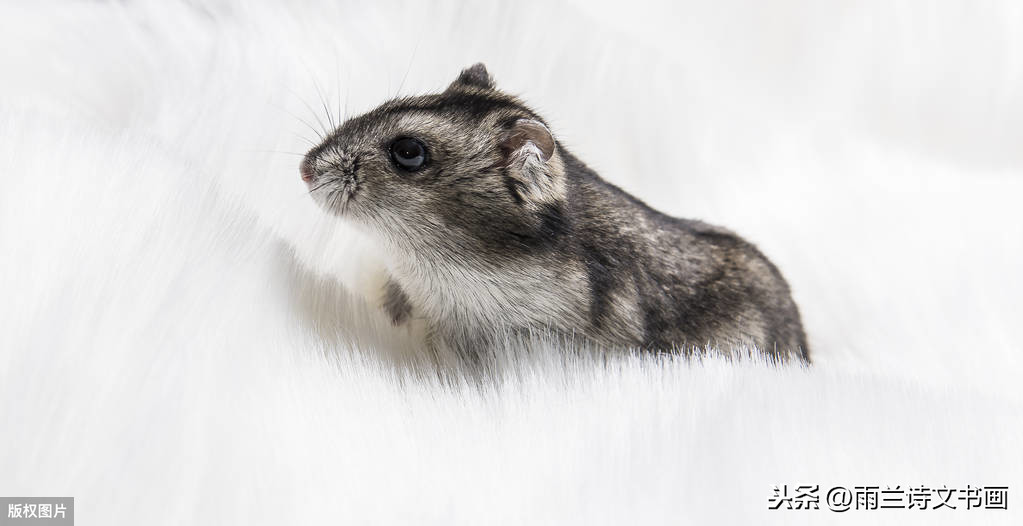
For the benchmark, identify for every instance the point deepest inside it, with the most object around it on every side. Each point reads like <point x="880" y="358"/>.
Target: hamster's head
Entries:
<point x="469" y="170"/>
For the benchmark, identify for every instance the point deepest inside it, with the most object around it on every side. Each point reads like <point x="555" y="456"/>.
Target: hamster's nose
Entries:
<point x="306" y="168"/>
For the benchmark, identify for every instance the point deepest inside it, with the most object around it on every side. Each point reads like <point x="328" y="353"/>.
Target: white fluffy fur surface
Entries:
<point x="186" y="339"/>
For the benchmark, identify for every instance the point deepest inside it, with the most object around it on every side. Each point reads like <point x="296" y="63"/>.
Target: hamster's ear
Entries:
<point x="474" y="76"/>
<point x="535" y="174"/>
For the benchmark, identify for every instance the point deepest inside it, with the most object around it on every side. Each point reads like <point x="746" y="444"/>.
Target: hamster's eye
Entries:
<point x="408" y="153"/>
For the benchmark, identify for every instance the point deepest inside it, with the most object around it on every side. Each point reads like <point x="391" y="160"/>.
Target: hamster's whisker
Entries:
<point x="321" y="134"/>
<point x="408" y="68"/>
<point x="306" y="139"/>
<point x="348" y="82"/>
<point x="336" y="199"/>
<point x="321" y="185"/>
<point x="323" y="104"/>
<point x="300" y="119"/>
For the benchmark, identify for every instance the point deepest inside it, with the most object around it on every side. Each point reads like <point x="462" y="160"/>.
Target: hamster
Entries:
<point x="490" y="224"/>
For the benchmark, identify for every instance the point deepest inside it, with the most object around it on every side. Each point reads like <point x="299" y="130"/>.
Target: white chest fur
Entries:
<point x="472" y="298"/>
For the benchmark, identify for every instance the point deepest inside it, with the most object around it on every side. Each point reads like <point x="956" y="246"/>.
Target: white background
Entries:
<point x="184" y="337"/>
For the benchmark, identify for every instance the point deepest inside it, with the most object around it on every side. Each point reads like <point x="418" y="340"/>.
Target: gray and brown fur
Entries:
<point x="504" y="229"/>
